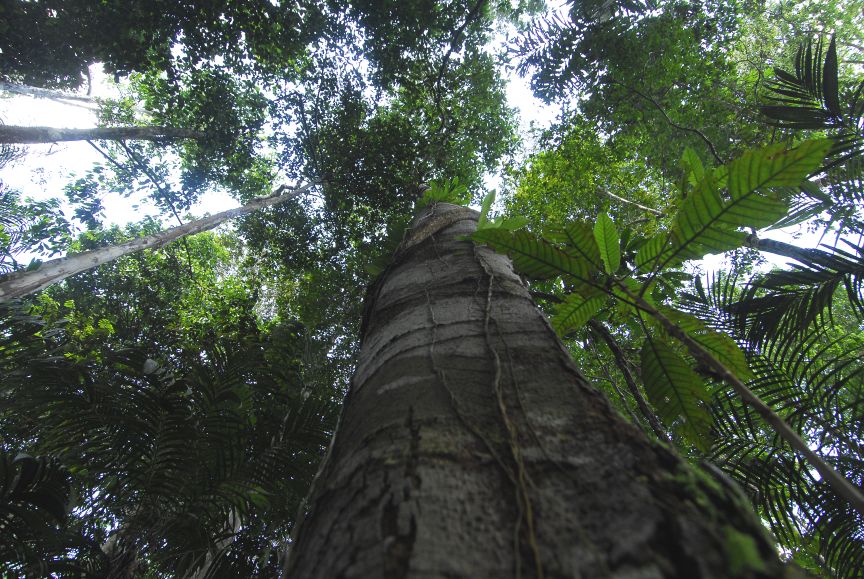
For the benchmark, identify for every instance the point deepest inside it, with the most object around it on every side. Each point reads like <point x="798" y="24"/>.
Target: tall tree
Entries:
<point x="32" y="135"/>
<point x="470" y="445"/>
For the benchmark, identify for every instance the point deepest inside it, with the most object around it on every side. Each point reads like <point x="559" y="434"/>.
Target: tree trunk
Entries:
<point x="11" y="134"/>
<point x="21" y="283"/>
<point x="64" y="97"/>
<point x="471" y="446"/>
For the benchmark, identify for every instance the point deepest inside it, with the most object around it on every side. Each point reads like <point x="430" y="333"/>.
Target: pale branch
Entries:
<point x="20" y="283"/>
<point x="74" y="99"/>
<point x="629" y="202"/>
<point x="835" y="480"/>
<point x="11" y="134"/>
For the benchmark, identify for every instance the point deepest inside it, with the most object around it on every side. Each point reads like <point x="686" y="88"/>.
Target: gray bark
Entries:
<point x="471" y="446"/>
<point x="21" y="283"/>
<point x="11" y="134"/>
<point x="36" y="92"/>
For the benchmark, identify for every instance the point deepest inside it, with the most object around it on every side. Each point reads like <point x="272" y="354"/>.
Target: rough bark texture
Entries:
<point x="11" y="134"/>
<point x="471" y="446"/>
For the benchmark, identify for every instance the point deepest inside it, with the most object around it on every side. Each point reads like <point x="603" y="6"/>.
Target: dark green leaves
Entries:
<point x="772" y="166"/>
<point x="676" y="392"/>
<point x="534" y="257"/>
<point x="575" y="312"/>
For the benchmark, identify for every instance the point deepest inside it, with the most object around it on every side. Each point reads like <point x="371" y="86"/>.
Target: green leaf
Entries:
<point x="608" y="242"/>
<point x="649" y="254"/>
<point x="445" y="191"/>
<point x="708" y="222"/>
<point x="508" y="223"/>
<point x="676" y="391"/>
<point x="772" y="166"/>
<point x="692" y="166"/>
<point x="724" y="349"/>
<point x="485" y="206"/>
<point x="531" y="255"/>
<point x="721" y="346"/>
<point x="575" y="312"/>
<point x="577" y="239"/>
<point x="705" y="223"/>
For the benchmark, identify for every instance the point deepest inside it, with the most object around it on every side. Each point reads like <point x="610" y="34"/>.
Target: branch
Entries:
<point x="802" y="254"/>
<point x="152" y="178"/>
<point x="670" y="121"/>
<point x="109" y="158"/>
<point x="624" y="365"/>
<point x="21" y="283"/>
<point x="634" y="203"/>
<point x="454" y="42"/>
<point x="76" y="99"/>
<point x="456" y="38"/>
<point x="17" y="135"/>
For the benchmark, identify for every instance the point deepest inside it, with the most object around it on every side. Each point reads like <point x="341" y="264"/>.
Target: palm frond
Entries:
<point x="162" y="457"/>
<point x="810" y="99"/>
<point x="782" y="306"/>
<point x="817" y="386"/>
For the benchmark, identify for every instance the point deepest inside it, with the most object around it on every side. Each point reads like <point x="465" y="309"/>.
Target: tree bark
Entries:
<point x="36" y="92"/>
<point x="21" y="283"/>
<point x="471" y="446"/>
<point x="11" y="134"/>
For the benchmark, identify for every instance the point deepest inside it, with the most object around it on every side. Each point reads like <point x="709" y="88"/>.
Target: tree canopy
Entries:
<point x="164" y="414"/>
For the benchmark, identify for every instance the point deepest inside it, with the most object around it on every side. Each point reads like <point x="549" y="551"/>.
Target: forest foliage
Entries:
<point x="164" y="414"/>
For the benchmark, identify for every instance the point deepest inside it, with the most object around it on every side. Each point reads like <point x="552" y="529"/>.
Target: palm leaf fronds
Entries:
<point x="783" y="306"/>
<point x="810" y="99"/>
<point x="817" y="386"/>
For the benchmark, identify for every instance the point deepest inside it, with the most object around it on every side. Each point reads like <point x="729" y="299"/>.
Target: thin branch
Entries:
<point x="634" y="203"/>
<point x="455" y="40"/>
<point x="152" y="178"/>
<point x="612" y="382"/>
<point x="624" y="365"/>
<point x="670" y="121"/>
<point x="109" y="158"/>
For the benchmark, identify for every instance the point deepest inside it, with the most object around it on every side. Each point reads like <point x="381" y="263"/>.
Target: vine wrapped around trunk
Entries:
<point x="471" y="446"/>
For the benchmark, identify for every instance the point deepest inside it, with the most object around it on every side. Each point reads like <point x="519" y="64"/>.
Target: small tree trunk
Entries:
<point x="471" y="446"/>
<point x="11" y="134"/>
<point x="64" y="97"/>
<point x="21" y="283"/>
